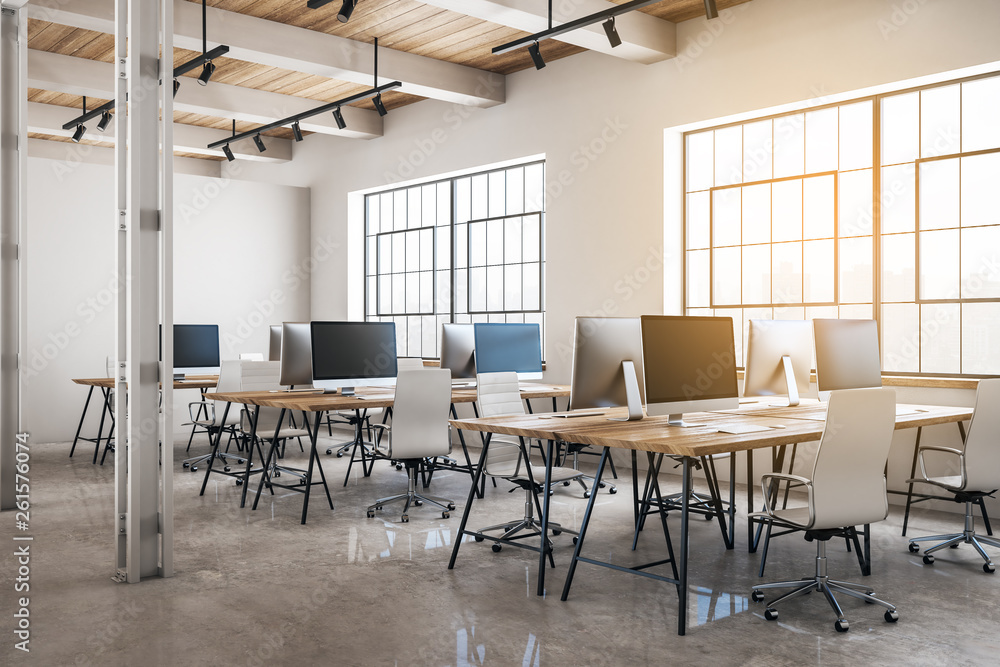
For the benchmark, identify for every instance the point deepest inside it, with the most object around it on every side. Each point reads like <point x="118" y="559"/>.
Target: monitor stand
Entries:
<point x="632" y="396"/>
<point x="179" y="376"/>
<point x="347" y="391"/>
<point x="791" y="387"/>
<point x="677" y="419"/>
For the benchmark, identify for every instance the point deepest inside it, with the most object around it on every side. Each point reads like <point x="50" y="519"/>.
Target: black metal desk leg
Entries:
<point x="468" y="503"/>
<point x="584" y="526"/>
<point x="100" y="427"/>
<point x="82" y="417"/>
<point x="215" y="449"/>
<point x="545" y="518"/>
<point x="751" y="543"/>
<point x="635" y="490"/>
<point x="253" y="442"/>
<point x="682" y="566"/>
<point x="319" y="464"/>
<point x="264" y="476"/>
<point x="913" y="473"/>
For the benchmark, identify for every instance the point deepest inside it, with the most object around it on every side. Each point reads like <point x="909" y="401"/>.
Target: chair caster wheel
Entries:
<point x="757" y="596"/>
<point x="240" y="461"/>
<point x="340" y="454"/>
<point x="226" y="468"/>
<point x="479" y="538"/>
<point x="418" y="503"/>
<point x="194" y="468"/>
<point x="329" y="451"/>
<point x="890" y="616"/>
<point x="842" y="625"/>
<point x="928" y="560"/>
<point x="913" y="548"/>
<point x="506" y="529"/>
<point x="709" y="517"/>
<point x="187" y="465"/>
<point x="277" y="473"/>
<point x="496" y="548"/>
<point x="988" y="568"/>
<point x="602" y="485"/>
<point x="239" y="482"/>
<point x="556" y="531"/>
<point x="399" y="466"/>
<point x="771" y="614"/>
<point x="445" y="515"/>
<point x="586" y="494"/>
<point x="565" y="483"/>
<point x="613" y="490"/>
<point x="451" y="506"/>
<point x="954" y="546"/>
<point x="576" y="538"/>
<point x="405" y="518"/>
<point x="371" y="514"/>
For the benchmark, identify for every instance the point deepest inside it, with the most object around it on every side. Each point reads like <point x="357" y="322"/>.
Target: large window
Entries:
<point x="787" y="218"/>
<point x="468" y="249"/>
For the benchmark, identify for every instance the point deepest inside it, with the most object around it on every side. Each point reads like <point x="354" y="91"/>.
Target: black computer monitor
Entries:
<point x="353" y="354"/>
<point x="458" y="348"/>
<point x="847" y="354"/>
<point x="779" y="356"/>
<point x="689" y="365"/>
<point x="607" y="358"/>
<point x="196" y="349"/>
<point x="509" y="347"/>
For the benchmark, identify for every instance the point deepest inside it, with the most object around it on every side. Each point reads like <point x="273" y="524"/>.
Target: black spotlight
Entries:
<point x="377" y="101"/>
<point x="81" y="130"/>
<point x="339" y="117"/>
<point x="260" y="143"/>
<point x="316" y="4"/>
<point x="206" y="73"/>
<point x="177" y="86"/>
<point x="297" y="131"/>
<point x="609" y="29"/>
<point x="711" y="11"/>
<point x="346" y="10"/>
<point x="105" y="120"/>
<point x="228" y="152"/>
<point x="536" y="56"/>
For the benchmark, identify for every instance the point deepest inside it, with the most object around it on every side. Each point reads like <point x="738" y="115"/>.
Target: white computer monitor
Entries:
<point x="607" y="365"/>
<point x="346" y="355"/>
<point x="779" y="357"/>
<point x="847" y="354"/>
<point x="504" y="347"/>
<point x="458" y="348"/>
<point x="296" y="355"/>
<point x="689" y="365"/>
<point x="274" y="343"/>
<point x="196" y="349"/>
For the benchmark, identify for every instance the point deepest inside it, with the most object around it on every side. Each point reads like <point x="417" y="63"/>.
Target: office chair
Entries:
<point x="847" y="488"/>
<point x="251" y="356"/>
<point x="498" y="395"/>
<point x="979" y="470"/>
<point x="419" y="431"/>
<point x="229" y="381"/>
<point x="264" y="376"/>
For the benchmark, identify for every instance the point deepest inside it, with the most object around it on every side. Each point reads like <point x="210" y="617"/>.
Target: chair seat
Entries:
<point x="510" y="471"/>
<point x="797" y="516"/>
<point x="950" y="482"/>
<point x="285" y="433"/>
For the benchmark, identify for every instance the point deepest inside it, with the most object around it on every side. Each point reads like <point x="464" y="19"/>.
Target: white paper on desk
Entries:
<point x="737" y="429"/>
<point x="374" y="398"/>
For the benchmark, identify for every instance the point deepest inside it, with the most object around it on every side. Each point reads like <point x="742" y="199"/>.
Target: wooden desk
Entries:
<point x="654" y="436"/>
<point x="107" y="385"/>
<point x="317" y="404"/>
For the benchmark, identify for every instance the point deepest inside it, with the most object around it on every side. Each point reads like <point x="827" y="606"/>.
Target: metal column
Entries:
<point x="13" y="164"/>
<point x="143" y="468"/>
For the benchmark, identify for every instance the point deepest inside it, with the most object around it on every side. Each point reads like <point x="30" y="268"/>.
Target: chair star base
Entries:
<point x="967" y="536"/>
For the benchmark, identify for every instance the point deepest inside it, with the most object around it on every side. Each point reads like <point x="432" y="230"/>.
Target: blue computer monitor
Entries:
<point x="196" y="349"/>
<point x="689" y="365"/>
<point x="509" y="347"/>
<point x="353" y="354"/>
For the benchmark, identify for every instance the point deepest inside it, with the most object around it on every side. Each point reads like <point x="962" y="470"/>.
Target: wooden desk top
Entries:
<point x="367" y="397"/>
<point x="193" y="382"/>
<point x="653" y="434"/>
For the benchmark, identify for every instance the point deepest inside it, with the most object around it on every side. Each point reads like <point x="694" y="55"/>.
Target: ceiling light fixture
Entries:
<point x="297" y="131"/>
<point x="206" y="73"/>
<point x="81" y="130"/>
<point x="609" y="29"/>
<point x="338" y="116"/>
<point x="105" y="120"/>
<point x="177" y="86"/>
<point x="711" y="11"/>
<point x="229" y="152"/>
<point x="260" y="143"/>
<point x="87" y="115"/>
<point x="344" y="15"/>
<point x="536" y="56"/>
<point x="377" y="101"/>
<point x="316" y="4"/>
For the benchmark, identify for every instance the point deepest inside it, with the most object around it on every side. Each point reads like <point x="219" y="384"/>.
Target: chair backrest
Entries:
<point x="982" y="453"/>
<point x="420" y="414"/>
<point x="262" y="376"/>
<point x="499" y="394"/>
<point x="409" y="364"/>
<point x="849" y="471"/>
<point x="251" y="356"/>
<point x="229" y="381"/>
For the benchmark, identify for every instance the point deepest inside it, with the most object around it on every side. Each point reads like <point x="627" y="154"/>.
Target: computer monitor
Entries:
<point x="458" y="347"/>
<point x="353" y="354"/>
<point x="296" y="355"/>
<point x="689" y="365"/>
<point x="196" y="349"/>
<point x="847" y="354"/>
<point x="779" y="357"/>
<point x="607" y="364"/>
<point x="274" y="343"/>
<point x="509" y="347"/>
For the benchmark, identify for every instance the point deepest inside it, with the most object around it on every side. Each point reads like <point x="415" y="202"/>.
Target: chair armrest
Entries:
<point x="946" y="450"/>
<point x="209" y="408"/>
<point x="765" y="483"/>
<point x="383" y="429"/>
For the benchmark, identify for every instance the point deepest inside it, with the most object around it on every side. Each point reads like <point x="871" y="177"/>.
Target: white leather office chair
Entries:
<point x="229" y="381"/>
<point x="251" y="356"/>
<point x="846" y="489"/>
<point x="978" y="476"/>
<point x="419" y="431"/>
<point x="499" y="395"/>
<point x="264" y="376"/>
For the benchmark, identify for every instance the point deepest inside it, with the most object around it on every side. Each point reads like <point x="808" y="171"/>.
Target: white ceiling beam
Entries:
<point x="645" y="39"/>
<point x="79" y="76"/>
<point x="49" y="119"/>
<point x="297" y="49"/>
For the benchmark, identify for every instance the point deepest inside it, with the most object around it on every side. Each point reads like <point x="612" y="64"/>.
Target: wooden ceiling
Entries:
<point x="404" y="25"/>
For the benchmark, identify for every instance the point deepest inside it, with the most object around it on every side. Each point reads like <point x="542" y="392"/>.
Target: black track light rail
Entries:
<point x="93" y="113"/>
<point x="309" y="114"/>
<point x="574" y="25"/>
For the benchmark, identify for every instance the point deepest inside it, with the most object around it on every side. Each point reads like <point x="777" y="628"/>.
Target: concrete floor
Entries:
<point x="254" y="588"/>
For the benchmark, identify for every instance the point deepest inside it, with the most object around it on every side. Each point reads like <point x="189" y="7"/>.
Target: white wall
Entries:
<point x="241" y="251"/>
